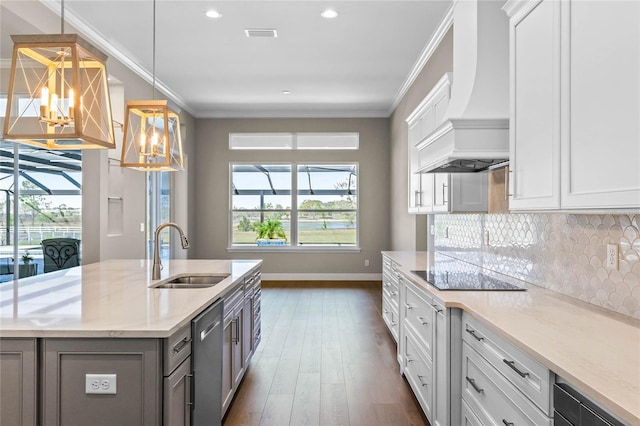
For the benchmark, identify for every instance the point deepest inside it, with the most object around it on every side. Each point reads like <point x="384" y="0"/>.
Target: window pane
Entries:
<point x="327" y="228"/>
<point x="327" y="204"/>
<point x="327" y="140"/>
<point x="261" y="204"/>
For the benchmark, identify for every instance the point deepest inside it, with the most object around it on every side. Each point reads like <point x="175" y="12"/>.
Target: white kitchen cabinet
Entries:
<point x="460" y="192"/>
<point x="499" y="382"/>
<point x="575" y="139"/>
<point x="390" y="296"/>
<point x="427" y="351"/>
<point x="601" y="108"/>
<point x="427" y="116"/>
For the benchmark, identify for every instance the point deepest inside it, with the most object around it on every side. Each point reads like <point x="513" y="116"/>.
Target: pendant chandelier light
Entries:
<point x="58" y="95"/>
<point x="152" y="140"/>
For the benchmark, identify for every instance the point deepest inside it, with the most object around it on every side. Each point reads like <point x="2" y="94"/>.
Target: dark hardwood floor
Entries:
<point x="326" y="358"/>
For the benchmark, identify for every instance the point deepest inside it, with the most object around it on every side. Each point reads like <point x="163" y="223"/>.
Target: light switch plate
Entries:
<point x="100" y="384"/>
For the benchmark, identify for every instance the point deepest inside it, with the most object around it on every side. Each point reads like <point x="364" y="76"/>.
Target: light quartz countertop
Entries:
<point x="595" y="350"/>
<point x="114" y="298"/>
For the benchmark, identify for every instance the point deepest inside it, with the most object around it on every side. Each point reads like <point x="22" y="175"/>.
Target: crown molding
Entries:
<point x="292" y="114"/>
<point x="106" y="46"/>
<point x="425" y="55"/>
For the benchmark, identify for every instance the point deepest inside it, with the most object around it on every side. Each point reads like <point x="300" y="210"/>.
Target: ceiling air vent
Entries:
<point x="261" y="32"/>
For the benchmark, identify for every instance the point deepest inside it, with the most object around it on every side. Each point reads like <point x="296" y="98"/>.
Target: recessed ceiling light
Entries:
<point x="213" y="14"/>
<point x="329" y="14"/>
<point x="286" y="92"/>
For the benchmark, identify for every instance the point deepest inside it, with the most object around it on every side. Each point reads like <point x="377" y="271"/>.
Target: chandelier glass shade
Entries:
<point x="58" y="97"/>
<point x="152" y="140"/>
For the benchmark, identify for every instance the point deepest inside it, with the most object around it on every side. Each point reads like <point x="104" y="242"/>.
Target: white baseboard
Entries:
<point x="321" y="277"/>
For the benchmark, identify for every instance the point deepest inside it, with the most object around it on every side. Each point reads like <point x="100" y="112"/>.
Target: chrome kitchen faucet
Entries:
<point x="157" y="264"/>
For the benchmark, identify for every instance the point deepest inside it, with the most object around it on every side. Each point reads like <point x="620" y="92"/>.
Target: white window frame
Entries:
<point x="293" y="246"/>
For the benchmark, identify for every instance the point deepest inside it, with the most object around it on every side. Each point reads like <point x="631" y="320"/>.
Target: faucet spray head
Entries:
<point x="185" y="241"/>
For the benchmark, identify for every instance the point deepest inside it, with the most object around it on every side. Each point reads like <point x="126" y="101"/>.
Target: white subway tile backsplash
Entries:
<point x="561" y="252"/>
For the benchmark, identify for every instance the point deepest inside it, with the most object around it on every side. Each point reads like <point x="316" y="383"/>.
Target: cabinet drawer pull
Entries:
<point x="514" y="368"/>
<point x="437" y="308"/>
<point x="181" y="344"/>
<point x="385" y="311"/>
<point x="407" y="357"/>
<point x="408" y="306"/>
<point x="421" y="382"/>
<point x="422" y="321"/>
<point x="507" y="423"/>
<point x="472" y="382"/>
<point x="473" y="333"/>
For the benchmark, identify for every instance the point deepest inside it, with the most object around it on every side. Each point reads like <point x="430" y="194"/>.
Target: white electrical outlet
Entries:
<point x="366" y="262"/>
<point x="141" y="226"/>
<point x="100" y="384"/>
<point x="612" y="256"/>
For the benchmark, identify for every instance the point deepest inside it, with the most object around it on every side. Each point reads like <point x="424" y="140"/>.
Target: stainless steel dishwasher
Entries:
<point x="206" y="365"/>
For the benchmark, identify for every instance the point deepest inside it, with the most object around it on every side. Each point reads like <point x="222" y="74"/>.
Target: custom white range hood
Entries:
<point x="475" y="134"/>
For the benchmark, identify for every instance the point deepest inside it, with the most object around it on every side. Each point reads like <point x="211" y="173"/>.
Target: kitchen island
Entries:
<point x="593" y="349"/>
<point x="108" y="318"/>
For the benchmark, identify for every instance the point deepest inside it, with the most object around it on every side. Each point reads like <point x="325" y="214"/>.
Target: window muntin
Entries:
<point x="324" y="199"/>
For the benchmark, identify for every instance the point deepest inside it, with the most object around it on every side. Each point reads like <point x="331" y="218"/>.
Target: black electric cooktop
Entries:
<point x="464" y="281"/>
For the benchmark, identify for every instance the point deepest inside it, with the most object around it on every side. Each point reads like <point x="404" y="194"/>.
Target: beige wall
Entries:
<point x="211" y="201"/>
<point x="409" y="232"/>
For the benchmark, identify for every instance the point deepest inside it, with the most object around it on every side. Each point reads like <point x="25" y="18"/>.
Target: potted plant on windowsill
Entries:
<point x="270" y="233"/>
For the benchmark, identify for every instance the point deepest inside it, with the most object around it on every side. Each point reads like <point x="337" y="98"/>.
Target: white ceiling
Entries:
<point x="353" y="65"/>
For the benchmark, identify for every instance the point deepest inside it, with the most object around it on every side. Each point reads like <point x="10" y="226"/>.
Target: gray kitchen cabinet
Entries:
<point x="177" y="396"/>
<point x="176" y="360"/>
<point x="241" y="334"/>
<point x="18" y="370"/>
<point x="136" y="365"/>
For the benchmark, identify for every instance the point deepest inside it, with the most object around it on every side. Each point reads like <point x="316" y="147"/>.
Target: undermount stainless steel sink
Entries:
<point x="193" y="281"/>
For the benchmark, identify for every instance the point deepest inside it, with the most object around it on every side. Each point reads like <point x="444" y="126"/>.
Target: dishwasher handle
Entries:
<point x="204" y="333"/>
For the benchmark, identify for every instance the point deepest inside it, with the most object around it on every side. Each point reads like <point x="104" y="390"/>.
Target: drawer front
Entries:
<point x="490" y="395"/>
<point x="176" y="349"/>
<point x="419" y="373"/>
<point x="469" y="418"/>
<point x="418" y="315"/>
<point x="529" y="376"/>
<point x="390" y="317"/>
<point x="233" y="299"/>
<point x="257" y="280"/>
<point x="391" y="295"/>
<point x="257" y="297"/>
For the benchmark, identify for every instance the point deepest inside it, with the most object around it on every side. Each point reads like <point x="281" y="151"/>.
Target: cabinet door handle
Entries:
<point x="421" y="382"/>
<point x="514" y="368"/>
<point x="408" y="306"/>
<point x="507" y="423"/>
<point x="475" y="336"/>
<point x="234" y="322"/>
<point x="181" y="344"/>
<point x="237" y="331"/>
<point x="189" y="388"/>
<point x="422" y="321"/>
<point x="444" y="190"/>
<point x="472" y="382"/>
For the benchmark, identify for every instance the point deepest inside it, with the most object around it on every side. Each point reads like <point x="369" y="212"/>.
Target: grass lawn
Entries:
<point x="312" y="236"/>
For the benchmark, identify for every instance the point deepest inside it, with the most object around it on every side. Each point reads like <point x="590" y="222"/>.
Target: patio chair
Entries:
<point x="60" y="253"/>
